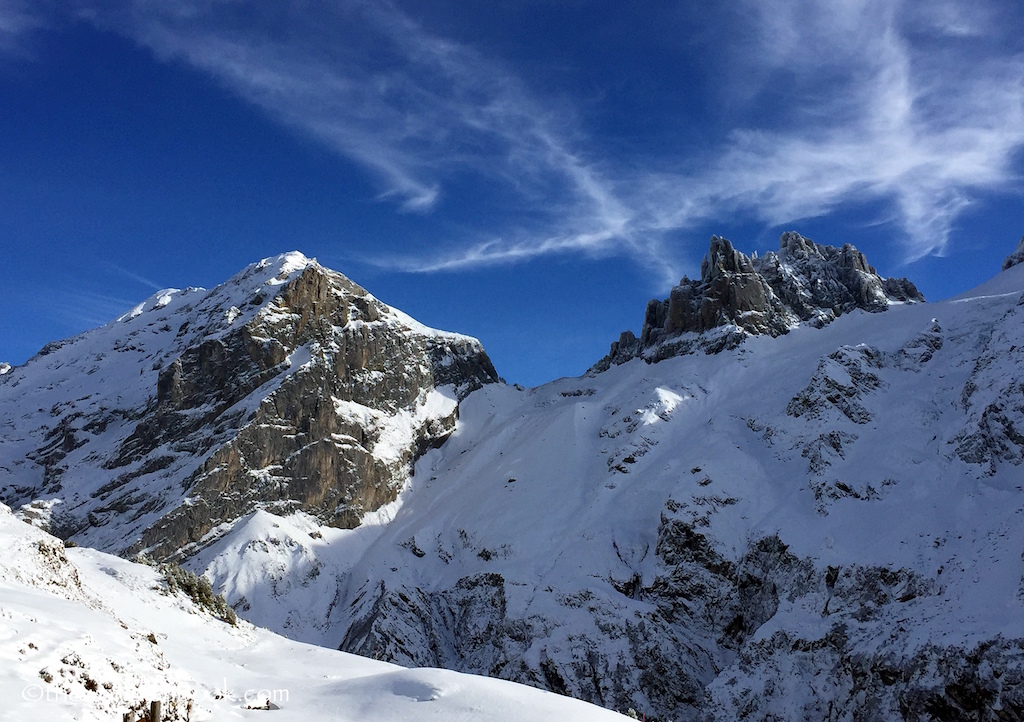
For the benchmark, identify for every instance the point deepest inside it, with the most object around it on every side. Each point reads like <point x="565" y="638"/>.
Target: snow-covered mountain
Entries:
<point x="89" y="636"/>
<point x="797" y="495"/>
<point x="822" y="525"/>
<point x="287" y="387"/>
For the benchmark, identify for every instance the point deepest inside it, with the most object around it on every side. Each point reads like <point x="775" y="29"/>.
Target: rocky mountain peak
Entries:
<point x="739" y="295"/>
<point x="288" y="386"/>
<point x="1016" y="257"/>
<point x="722" y="259"/>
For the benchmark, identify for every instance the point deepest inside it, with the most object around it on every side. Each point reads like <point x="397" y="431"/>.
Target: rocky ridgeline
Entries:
<point x="288" y="387"/>
<point x="1016" y="257"/>
<point x="739" y="295"/>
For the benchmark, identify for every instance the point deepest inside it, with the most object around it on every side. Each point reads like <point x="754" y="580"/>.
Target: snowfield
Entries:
<point x="539" y="534"/>
<point x="87" y="636"/>
<point x="826" y="524"/>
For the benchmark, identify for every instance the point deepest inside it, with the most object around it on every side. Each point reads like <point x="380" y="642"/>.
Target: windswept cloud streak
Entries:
<point x="80" y="308"/>
<point x="413" y="108"/>
<point x="920" y="128"/>
<point x="885" y="102"/>
<point x="142" y="280"/>
<point x="18" y="17"/>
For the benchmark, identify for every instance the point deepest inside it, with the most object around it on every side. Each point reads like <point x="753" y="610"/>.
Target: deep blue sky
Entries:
<point x="527" y="172"/>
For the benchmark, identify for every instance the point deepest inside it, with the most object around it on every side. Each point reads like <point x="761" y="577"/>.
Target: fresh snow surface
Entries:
<point x="560" y="488"/>
<point x="83" y="619"/>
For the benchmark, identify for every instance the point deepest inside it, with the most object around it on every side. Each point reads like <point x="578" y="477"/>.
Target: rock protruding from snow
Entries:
<point x="1012" y="260"/>
<point x="738" y="295"/>
<point x="288" y="385"/>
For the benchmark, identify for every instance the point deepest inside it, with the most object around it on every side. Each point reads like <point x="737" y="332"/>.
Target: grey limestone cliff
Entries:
<point x="738" y="295"/>
<point x="288" y="387"/>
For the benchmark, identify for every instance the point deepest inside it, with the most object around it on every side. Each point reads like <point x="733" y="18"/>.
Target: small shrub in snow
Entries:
<point x="198" y="589"/>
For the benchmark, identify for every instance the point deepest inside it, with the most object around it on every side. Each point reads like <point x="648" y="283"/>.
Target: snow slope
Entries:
<point x="726" y="536"/>
<point x="822" y="525"/>
<point x="85" y="636"/>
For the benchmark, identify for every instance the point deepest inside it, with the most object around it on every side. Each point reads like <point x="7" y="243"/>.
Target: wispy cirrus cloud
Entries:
<point x="413" y="108"/>
<point x="79" y="308"/>
<point x="895" y="112"/>
<point x="886" y="102"/>
<point x="131" y="275"/>
<point x="18" y="17"/>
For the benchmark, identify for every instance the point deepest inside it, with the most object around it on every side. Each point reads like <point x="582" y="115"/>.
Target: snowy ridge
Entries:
<point x="89" y="636"/>
<point x="774" y="518"/>
<point x="103" y="430"/>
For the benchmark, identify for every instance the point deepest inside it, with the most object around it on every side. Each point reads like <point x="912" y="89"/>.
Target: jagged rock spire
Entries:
<point x="803" y="282"/>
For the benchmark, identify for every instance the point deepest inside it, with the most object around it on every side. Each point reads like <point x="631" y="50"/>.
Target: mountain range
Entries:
<point x="796" y="494"/>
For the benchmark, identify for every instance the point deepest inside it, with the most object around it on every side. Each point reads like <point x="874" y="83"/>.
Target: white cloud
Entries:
<point x="85" y="309"/>
<point x="131" y="275"/>
<point x="893" y="102"/>
<point x="413" y="108"/>
<point x="18" y="17"/>
<point x="921" y="125"/>
<point x="922" y="128"/>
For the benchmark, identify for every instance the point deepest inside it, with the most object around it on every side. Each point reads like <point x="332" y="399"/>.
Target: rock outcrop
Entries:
<point x="738" y="295"/>
<point x="659" y="646"/>
<point x="289" y="387"/>
<point x="1016" y="257"/>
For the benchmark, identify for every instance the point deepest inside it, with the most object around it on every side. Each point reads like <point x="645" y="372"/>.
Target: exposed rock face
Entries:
<point x="660" y="645"/>
<point x="941" y="683"/>
<point x="730" y="290"/>
<point x="1016" y="257"/>
<point x="994" y="400"/>
<point x="289" y="386"/>
<point x="737" y="295"/>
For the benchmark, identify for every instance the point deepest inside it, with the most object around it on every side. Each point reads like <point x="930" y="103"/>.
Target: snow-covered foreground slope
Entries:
<point x="88" y="636"/>
<point x="824" y="525"/>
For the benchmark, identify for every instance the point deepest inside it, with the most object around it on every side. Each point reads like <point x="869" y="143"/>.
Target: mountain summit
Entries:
<point x="739" y="295"/>
<point x="287" y="387"/>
